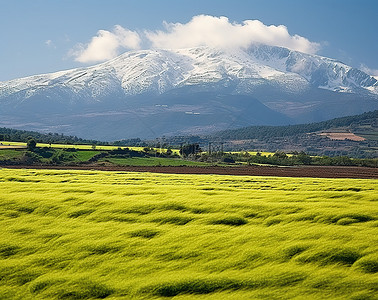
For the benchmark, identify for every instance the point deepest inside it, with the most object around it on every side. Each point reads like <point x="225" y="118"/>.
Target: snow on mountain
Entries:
<point x="318" y="71"/>
<point x="158" y="71"/>
<point x="148" y="93"/>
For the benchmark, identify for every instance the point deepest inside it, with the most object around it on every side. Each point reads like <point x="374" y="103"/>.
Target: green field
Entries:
<point x="116" y="235"/>
<point x="10" y="154"/>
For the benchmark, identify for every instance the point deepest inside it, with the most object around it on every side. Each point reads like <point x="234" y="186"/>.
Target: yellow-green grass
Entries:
<point x="11" y="145"/>
<point x="84" y="147"/>
<point x="91" y="234"/>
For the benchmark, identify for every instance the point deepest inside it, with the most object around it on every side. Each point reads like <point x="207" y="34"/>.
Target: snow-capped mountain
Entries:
<point x="154" y="92"/>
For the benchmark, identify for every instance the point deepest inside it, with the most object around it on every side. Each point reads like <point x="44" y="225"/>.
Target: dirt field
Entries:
<point x="299" y="171"/>
<point x="342" y="136"/>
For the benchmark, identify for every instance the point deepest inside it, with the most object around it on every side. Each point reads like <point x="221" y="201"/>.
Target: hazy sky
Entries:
<point x="41" y="36"/>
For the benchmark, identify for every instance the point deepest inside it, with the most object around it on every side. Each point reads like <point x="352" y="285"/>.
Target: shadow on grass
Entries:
<point x="62" y="288"/>
<point x="144" y="233"/>
<point x="175" y="220"/>
<point x="368" y="264"/>
<point x="342" y="256"/>
<point x="211" y="285"/>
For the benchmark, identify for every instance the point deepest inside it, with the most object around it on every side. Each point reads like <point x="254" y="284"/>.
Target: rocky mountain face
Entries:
<point x="150" y="93"/>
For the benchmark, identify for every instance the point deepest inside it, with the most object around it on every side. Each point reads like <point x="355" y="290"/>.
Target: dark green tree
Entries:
<point x="190" y="149"/>
<point x="303" y="158"/>
<point x="31" y="144"/>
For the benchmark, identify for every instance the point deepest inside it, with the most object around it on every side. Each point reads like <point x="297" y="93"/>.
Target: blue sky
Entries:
<point x="42" y="36"/>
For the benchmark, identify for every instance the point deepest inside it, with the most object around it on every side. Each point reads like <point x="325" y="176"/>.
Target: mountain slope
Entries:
<point x="355" y="136"/>
<point x="158" y="71"/>
<point x="153" y="92"/>
<point x="351" y="123"/>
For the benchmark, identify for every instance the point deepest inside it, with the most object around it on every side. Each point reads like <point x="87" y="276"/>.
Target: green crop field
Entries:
<point x="116" y="235"/>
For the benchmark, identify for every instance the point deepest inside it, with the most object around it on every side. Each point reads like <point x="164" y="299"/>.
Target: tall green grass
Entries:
<point x="6" y="154"/>
<point x="93" y="235"/>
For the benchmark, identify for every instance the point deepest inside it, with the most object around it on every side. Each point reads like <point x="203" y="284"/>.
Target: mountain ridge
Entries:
<point x="292" y="86"/>
<point x="175" y="68"/>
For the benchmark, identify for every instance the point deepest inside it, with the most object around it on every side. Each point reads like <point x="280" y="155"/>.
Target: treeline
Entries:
<point x="16" y="135"/>
<point x="263" y="132"/>
<point x="282" y="159"/>
<point x="135" y="142"/>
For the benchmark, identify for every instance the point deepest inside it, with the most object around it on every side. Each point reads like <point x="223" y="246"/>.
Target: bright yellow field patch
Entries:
<point x="84" y="147"/>
<point x="263" y="153"/>
<point x="90" y="234"/>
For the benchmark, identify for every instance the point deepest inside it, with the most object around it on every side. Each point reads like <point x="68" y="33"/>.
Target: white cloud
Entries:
<point x="106" y="45"/>
<point x="50" y="44"/>
<point x="202" y="30"/>
<point x="220" y="32"/>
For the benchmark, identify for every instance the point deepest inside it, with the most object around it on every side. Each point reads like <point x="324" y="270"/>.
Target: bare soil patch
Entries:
<point x="343" y="136"/>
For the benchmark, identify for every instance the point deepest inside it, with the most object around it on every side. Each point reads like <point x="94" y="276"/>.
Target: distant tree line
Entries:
<point x="282" y="159"/>
<point x="16" y="135"/>
<point x="135" y="142"/>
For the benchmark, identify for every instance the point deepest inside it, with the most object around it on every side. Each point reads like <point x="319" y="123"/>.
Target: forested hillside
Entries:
<point x="15" y="135"/>
<point x="261" y="132"/>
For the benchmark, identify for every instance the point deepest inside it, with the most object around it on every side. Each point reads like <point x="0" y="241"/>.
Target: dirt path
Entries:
<point x="298" y="171"/>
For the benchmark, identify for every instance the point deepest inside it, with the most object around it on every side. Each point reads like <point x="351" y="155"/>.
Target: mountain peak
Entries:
<point x="291" y="83"/>
<point x="157" y="71"/>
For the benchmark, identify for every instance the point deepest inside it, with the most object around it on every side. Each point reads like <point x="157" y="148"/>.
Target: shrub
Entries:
<point x="31" y="144"/>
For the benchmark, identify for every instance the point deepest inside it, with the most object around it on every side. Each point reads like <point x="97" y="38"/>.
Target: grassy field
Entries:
<point x="114" y="235"/>
<point x="10" y="154"/>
